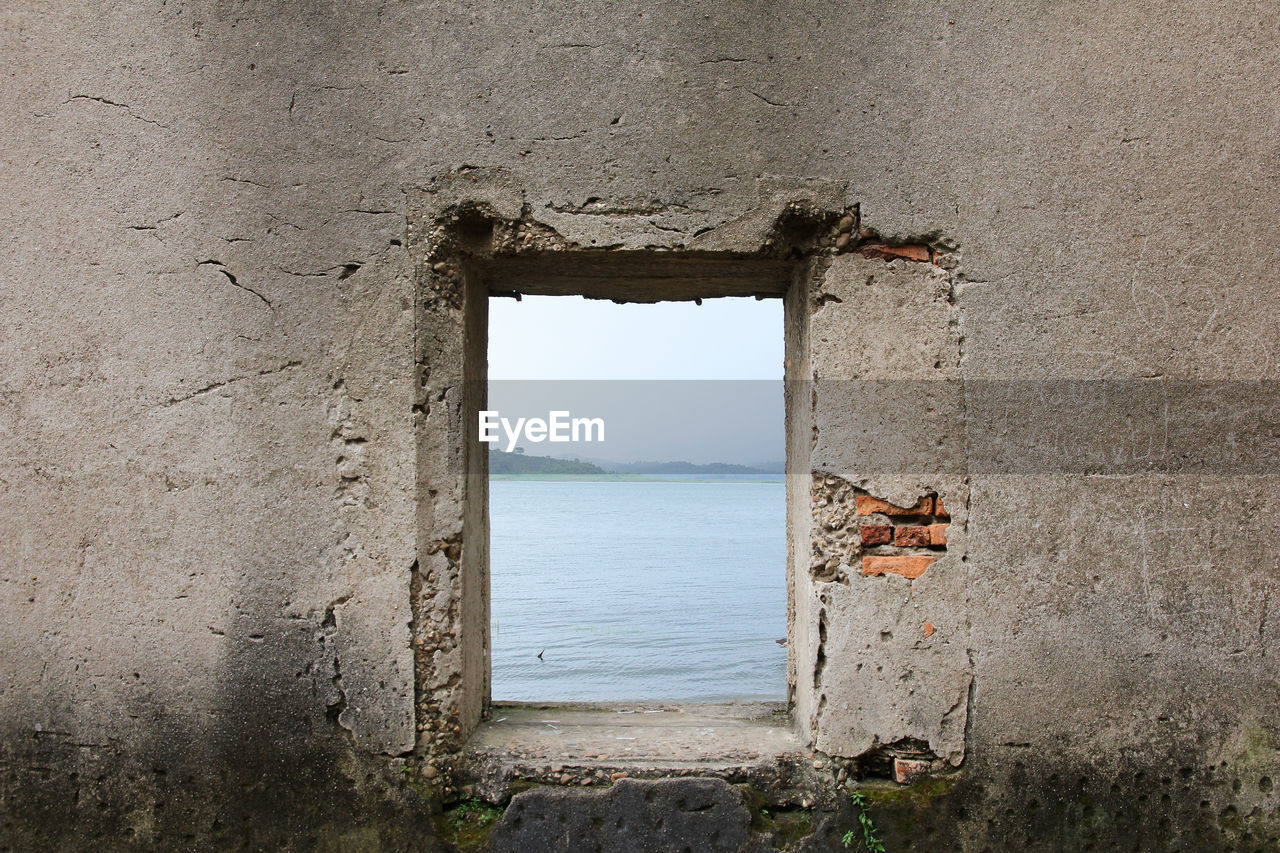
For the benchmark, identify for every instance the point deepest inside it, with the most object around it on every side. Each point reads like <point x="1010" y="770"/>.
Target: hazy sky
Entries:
<point x="734" y="346"/>
<point x="568" y="337"/>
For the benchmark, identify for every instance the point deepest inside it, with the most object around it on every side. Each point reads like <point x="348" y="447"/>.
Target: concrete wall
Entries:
<point x="221" y="505"/>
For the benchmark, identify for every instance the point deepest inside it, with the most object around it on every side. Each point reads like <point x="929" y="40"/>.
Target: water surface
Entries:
<point x="673" y="589"/>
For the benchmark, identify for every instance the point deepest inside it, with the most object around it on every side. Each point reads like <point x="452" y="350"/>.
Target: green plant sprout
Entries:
<point x="870" y="836"/>
<point x="476" y="811"/>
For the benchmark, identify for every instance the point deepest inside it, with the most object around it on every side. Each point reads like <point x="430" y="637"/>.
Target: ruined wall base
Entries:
<point x="56" y="795"/>
<point x="1045" y="806"/>
<point x="69" y="797"/>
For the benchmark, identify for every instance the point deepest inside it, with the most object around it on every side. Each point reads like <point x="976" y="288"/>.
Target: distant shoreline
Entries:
<point x="762" y="479"/>
<point x="520" y="464"/>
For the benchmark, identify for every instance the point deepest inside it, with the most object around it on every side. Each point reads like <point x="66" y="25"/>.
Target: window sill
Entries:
<point x="523" y="744"/>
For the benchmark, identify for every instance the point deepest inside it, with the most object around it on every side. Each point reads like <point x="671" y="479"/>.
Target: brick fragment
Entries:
<point x="928" y="629"/>
<point x="939" y="510"/>
<point x="910" y="566"/>
<point x="868" y="505"/>
<point x="938" y="533"/>
<point x="911" y="536"/>
<point x="876" y="534"/>
<point x="917" y="252"/>
<point x="906" y="770"/>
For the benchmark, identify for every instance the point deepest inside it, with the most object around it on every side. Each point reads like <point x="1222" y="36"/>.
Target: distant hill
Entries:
<point x="692" y="468"/>
<point x="517" y="463"/>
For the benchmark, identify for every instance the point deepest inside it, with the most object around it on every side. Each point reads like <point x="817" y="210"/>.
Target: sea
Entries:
<point x="666" y="588"/>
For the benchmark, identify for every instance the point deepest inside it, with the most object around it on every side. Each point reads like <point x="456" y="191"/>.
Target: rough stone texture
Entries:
<point x="216" y="488"/>
<point x="634" y="815"/>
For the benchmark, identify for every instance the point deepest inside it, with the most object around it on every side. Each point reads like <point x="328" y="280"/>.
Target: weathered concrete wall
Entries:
<point x="891" y="613"/>
<point x="217" y="497"/>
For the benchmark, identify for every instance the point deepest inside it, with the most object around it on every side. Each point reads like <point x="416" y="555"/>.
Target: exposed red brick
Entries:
<point x="938" y="533"/>
<point x="911" y="536"/>
<point x="939" y="510"/>
<point x="909" y="769"/>
<point x="917" y="252"/>
<point x="876" y="534"/>
<point x="928" y="629"/>
<point x="868" y="505"/>
<point x="910" y="566"/>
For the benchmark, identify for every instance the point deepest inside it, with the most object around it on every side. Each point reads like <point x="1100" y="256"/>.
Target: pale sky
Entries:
<point x="568" y="337"/>
<point x="542" y="347"/>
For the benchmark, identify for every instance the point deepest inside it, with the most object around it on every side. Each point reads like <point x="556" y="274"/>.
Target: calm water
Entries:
<point x="668" y="590"/>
